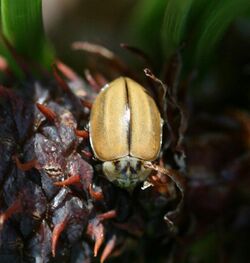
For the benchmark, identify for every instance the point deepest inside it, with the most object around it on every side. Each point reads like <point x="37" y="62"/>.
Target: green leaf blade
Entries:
<point x="174" y="24"/>
<point x="22" y="25"/>
<point x="215" y="21"/>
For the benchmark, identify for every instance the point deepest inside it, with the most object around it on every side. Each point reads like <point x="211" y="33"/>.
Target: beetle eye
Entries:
<point x="125" y="172"/>
<point x="111" y="170"/>
<point x="117" y="165"/>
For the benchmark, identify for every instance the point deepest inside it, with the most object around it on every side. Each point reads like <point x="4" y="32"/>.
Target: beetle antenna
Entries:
<point x="150" y="74"/>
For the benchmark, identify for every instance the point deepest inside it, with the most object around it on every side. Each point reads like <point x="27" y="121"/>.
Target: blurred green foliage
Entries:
<point x="195" y="25"/>
<point x="22" y="25"/>
<point x="205" y="249"/>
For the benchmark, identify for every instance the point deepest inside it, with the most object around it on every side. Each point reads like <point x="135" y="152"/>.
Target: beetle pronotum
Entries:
<point x="125" y="131"/>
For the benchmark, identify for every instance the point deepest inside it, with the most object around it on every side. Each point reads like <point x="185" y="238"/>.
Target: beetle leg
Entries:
<point x="95" y="230"/>
<point x="58" y="229"/>
<point x="74" y="179"/>
<point x="16" y="207"/>
<point x="25" y="166"/>
<point x="96" y="195"/>
<point x="179" y="182"/>
<point x="82" y="133"/>
<point x="108" y="248"/>
<point x="47" y="112"/>
<point x="107" y="215"/>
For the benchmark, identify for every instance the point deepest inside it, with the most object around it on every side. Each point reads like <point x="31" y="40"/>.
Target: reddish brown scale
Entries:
<point x="4" y="67"/>
<point x="47" y="112"/>
<point x="101" y="80"/>
<point x="95" y="230"/>
<point x="27" y="165"/>
<point x="62" y="83"/>
<point x="3" y="64"/>
<point x="94" y="48"/>
<point x="66" y="71"/>
<point x="91" y="81"/>
<point x="115" y="62"/>
<point x="96" y="195"/>
<point x="56" y="153"/>
<point x="74" y="179"/>
<point x="107" y="215"/>
<point x="58" y="229"/>
<point x="27" y="66"/>
<point x="87" y="154"/>
<point x="108" y="248"/>
<point x="82" y="133"/>
<point x="86" y="104"/>
<point x="42" y="242"/>
<point x="16" y="207"/>
<point x="22" y="63"/>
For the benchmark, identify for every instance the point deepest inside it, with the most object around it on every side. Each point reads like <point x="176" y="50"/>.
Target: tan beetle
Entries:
<point x="125" y="131"/>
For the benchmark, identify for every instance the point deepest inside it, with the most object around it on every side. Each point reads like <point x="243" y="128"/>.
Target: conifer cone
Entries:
<point x="56" y="204"/>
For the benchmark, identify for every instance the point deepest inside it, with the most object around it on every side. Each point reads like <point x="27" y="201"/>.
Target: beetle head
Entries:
<point x="125" y="172"/>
